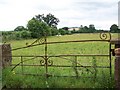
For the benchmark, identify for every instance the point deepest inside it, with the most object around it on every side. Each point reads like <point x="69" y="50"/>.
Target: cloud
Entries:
<point x="101" y="13"/>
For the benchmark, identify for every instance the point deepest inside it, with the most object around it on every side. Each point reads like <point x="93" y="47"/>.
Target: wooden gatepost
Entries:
<point x="117" y="62"/>
<point x="6" y="55"/>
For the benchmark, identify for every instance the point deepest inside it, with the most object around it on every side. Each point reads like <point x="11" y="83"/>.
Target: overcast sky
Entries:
<point x="71" y="13"/>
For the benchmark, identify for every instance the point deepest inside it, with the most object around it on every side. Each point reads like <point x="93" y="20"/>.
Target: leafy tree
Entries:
<point x="20" y="28"/>
<point x="86" y="28"/>
<point x="62" y="31"/>
<point x="65" y="28"/>
<point x="114" y="29"/>
<point x="91" y="28"/>
<point x="54" y="31"/>
<point x="40" y="24"/>
<point x="49" y="19"/>
<point x="37" y="28"/>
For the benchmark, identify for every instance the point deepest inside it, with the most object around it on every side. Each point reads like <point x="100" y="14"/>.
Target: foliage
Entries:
<point x="65" y="28"/>
<point x="25" y="34"/>
<point x="64" y="31"/>
<point x="20" y="28"/>
<point x="85" y="29"/>
<point x="16" y="35"/>
<point x="54" y="31"/>
<point x="40" y="24"/>
<point x="49" y="19"/>
<point x="114" y="29"/>
<point x="37" y="28"/>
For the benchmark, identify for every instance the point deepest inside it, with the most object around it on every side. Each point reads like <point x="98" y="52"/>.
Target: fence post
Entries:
<point x="6" y="55"/>
<point x="117" y="62"/>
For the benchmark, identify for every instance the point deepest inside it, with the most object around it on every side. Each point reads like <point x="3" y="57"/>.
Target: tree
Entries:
<point x="40" y="24"/>
<point x="49" y="19"/>
<point x="20" y="28"/>
<point x="114" y="29"/>
<point x="62" y="31"/>
<point x="65" y="28"/>
<point x="91" y="28"/>
<point x="37" y="28"/>
<point x="54" y="31"/>
<point x="66" y="31"/>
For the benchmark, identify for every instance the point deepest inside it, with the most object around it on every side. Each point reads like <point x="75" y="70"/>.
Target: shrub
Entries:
<point x="25" y="34"/>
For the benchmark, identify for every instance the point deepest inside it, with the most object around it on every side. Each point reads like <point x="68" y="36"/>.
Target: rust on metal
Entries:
<point x="47" y="61"/>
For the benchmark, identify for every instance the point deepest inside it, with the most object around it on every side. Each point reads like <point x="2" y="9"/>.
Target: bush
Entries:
<point x="16" y="35"/>
<point x="25" y="34"/>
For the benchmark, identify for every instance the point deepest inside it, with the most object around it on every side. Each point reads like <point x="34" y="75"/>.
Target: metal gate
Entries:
<point x="64" y="65"/>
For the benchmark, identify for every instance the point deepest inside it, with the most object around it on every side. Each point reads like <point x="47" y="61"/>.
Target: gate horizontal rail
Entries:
<point x="61" y="42"/>
<point x="64" y="55"/>
<point x="63" y="66"/>
<point x="67" y="55"/>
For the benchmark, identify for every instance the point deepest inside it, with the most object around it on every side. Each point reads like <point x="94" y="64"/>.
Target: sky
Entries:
<point x="71" y="13"/>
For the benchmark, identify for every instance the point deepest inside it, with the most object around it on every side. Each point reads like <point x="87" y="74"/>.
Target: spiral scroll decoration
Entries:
<point x="105" y="36"/>
<point x="42" y="62"/>
<point x="50" y="62"/>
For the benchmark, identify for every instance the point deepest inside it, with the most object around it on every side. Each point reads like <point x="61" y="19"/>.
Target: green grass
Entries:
<point x="11" y="79"/>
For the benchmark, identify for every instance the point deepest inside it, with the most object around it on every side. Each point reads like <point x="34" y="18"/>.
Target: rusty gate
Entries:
<point x="64" y="65"/>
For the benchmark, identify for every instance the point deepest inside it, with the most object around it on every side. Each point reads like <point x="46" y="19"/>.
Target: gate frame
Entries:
<point x="105" y="37"/>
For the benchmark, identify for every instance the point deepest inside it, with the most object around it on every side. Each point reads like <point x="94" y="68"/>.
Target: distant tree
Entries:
<point x="114" y="29"/>
<point x="54" y="31"/>
<point x="62" y="31"/>
<point x="37" y="28"/>
<point x="91" y="28"/>
<point x="81" y="26"/>
<point x="49" y="19"/>
<point x="20" y="28"/>
<point x="65" y="28"/>
<point x="41" y="24"/>
<point x="86" y="28"/>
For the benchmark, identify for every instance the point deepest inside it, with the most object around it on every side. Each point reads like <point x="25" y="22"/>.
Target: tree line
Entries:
<point x="41" y="25"/>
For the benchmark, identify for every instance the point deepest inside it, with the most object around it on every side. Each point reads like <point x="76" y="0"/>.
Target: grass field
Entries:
<point x="101" y="76"/>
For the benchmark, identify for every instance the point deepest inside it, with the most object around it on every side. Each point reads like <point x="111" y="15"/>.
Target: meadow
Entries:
<point x="85" y="77"/>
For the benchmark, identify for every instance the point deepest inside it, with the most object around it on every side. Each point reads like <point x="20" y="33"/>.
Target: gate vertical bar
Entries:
<point x="76" y="66"/>
<point x="74" y="63"/>
<point x="46" y="58"/>
<point x="110" y="61"/>
<point x="22" y="63"/>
